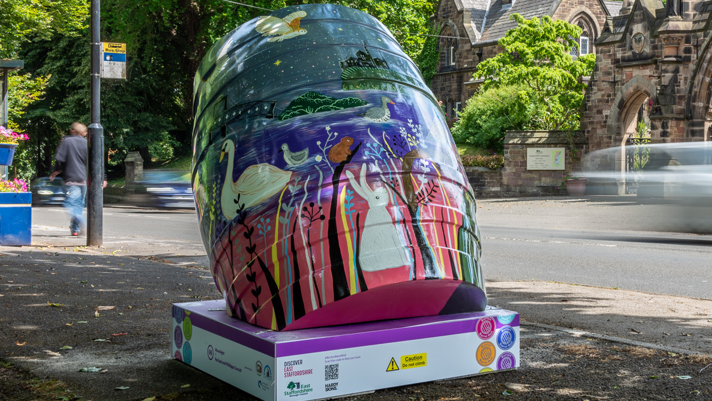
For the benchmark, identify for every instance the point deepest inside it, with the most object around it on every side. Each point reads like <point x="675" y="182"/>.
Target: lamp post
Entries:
<point x="96" y="135"/>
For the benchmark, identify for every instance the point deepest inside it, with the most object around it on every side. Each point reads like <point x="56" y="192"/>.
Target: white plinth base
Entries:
<point x="336" y="361"/>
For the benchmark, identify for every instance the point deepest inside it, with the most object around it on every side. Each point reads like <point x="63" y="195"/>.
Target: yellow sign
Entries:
<point x="118" y="48"/>
<point x="392" y="366"/>
<point x="414" y="361"/>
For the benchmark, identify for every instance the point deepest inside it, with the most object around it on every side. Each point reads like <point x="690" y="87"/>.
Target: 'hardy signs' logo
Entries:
<point x="211" y="353"/>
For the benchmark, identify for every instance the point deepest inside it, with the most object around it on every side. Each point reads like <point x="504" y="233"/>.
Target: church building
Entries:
<point x="469" y="31"/>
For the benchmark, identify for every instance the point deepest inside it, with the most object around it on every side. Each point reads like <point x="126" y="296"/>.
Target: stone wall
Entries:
<point x="448" y="84"/>
<point x="518" y="179"/>
<point x="514" y="179"/>
<point x="485" y="182"/>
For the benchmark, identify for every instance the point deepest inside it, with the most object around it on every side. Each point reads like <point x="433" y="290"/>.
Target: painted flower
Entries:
<point x="318" y="157"/>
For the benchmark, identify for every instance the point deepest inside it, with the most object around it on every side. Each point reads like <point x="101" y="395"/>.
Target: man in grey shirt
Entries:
<point x="71" y="162"/>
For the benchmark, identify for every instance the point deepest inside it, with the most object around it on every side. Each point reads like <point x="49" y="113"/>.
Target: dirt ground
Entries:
<point x="555" y="366"/>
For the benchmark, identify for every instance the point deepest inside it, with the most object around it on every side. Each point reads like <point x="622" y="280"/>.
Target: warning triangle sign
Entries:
<point x="392" y="366"/>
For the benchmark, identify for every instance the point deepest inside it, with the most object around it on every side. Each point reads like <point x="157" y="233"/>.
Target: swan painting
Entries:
<point x="257" y="183"/>
<point x="308" y="219"/>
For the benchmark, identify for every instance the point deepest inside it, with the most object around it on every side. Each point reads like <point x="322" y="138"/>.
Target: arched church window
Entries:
<point x="583" y="41"/>
<point x="449" y="46"/>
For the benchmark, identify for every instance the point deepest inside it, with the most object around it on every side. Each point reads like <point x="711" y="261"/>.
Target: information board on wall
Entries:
<point x="546" y="158"/>
<point x="113" y="60"/>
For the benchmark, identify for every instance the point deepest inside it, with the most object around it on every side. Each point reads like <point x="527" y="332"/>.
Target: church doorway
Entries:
<point x="635" y="130"/>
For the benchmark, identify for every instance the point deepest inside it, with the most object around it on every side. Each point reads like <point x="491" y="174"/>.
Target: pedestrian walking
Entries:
<point x="71" y="163"/>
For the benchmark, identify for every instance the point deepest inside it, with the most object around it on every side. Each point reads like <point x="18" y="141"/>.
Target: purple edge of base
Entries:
<point x="335" y="338"/>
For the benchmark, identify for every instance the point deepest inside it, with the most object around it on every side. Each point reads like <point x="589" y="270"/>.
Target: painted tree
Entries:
<point x="537" y="55"/>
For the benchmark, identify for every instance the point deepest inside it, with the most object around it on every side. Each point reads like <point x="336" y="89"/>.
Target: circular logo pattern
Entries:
<point x="506" y="338"/>
<point x="506" y="319"/>
<point x="178" y="356"/>
<point x="506" y="361"/>
<point x="211" y="353"/>
<point x="178" y="337"/>
<point x="485" y="370"/>
<point x="486" y="353"/>
<point x="187" y="353"/>
<point x="486" y="327"/>
<point x="187" y="328"/>
<point x="178" y="314"/>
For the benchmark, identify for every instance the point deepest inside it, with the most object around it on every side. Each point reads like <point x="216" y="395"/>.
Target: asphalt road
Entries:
<point x="656" y="263"/>
<point x="602" y="242"/>
<point x="179" y="225"/>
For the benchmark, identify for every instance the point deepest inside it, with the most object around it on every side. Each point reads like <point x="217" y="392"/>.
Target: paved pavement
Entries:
<point x="111" y="305"/>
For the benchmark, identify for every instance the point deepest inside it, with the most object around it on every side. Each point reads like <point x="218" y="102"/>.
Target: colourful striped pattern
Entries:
<point x="353" y="283"/>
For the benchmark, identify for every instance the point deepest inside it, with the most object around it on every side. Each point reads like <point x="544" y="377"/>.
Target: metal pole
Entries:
<point x="96" y="134"/>
<point x="5" y="117"/>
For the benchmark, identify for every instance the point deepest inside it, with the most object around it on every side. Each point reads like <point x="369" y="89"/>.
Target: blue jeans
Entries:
<point x="74" y="203"/>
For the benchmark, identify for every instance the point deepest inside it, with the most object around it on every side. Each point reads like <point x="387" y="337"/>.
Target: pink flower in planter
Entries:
<point x="9" y="136"/>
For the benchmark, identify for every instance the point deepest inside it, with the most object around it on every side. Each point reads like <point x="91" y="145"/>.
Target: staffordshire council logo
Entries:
<point x="506" y="319"/>
<point x="486" y="327"/>
<point x="506" y="361"/>
<point x="187" y="353"/>
<point x="486" y="353"/>
<point x="506" y="338"/>
<point x="178" y="337"/>
<point x="211" y="352"/>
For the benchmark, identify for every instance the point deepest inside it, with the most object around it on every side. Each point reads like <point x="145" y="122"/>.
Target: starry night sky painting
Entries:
<point x="329" y="190"/>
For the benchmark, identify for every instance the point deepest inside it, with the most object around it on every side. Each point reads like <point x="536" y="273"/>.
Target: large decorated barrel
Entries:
<point x="328" y="187"/>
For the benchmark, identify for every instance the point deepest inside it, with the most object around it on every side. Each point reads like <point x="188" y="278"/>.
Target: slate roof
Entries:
<point x="614" y="7"/>
<point x="489" y="20"/>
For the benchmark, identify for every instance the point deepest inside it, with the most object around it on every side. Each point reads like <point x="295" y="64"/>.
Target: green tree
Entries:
<point x="25" y="19"/>
<point x="537" y="55"/>
<point x="492" y="112"/>
<point x="166" y="40"/>
<point x="427" y="59"/>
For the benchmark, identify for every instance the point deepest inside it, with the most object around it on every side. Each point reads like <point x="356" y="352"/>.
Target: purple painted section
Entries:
<point x="336" y="337"/>
<point x="219" y="323"/>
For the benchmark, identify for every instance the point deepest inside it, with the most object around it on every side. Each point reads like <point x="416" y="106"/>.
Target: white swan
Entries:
<point x="257" y="183"/>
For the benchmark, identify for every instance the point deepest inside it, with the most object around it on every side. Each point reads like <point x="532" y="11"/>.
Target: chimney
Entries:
<point x="627" y="7"/>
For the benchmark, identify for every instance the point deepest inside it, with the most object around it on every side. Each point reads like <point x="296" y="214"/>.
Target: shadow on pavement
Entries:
<point x="114" y="313"/>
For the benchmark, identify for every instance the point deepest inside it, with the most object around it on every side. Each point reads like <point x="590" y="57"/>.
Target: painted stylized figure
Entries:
<point x="381" y="246"/>
<point x="328" y="185"/>
<point x="294" y="158"/>
<point x="379" y="114"/>
<point x="342" y="150"/>
<point x="286" y="28"/>
<point x="255" y="185"/>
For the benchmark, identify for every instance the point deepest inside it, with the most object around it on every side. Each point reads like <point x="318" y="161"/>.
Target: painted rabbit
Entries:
<point x="381" y="247"/>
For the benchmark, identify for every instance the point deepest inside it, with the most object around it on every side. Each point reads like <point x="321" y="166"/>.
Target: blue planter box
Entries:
<point x="15" y="218"/>
<point x="7" y="152"/>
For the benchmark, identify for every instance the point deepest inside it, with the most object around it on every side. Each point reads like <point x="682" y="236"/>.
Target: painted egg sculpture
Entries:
<point x="329" y="190"/>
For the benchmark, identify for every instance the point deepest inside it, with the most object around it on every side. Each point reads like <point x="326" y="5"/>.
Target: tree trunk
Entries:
<point x="341" y="285"/>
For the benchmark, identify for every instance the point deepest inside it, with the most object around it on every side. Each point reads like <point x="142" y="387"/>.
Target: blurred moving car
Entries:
<point x="677" y="174"/>
<point x="46" y="192"/>
<point x="162" y="189"/>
